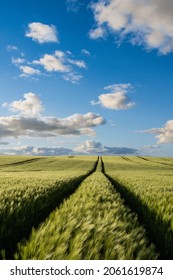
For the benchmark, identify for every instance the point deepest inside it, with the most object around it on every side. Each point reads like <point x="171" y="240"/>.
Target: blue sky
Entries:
<point x="86" y="77"/>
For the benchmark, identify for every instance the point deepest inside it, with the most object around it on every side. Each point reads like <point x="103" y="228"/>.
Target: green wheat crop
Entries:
<point x="94" y="224"/>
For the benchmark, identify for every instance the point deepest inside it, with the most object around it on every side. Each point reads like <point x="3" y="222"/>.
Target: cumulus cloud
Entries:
<point x="30" y="106"/>
<point x="78" y="63"/>
<point x="42" y="33"/>
<point x="89" y="147"/>
<point x="163" y="134"/>
<point x="116" y="98"/>
<point x="97" y="33"/>
<point x="51" y="63"/>
<point x="93" y="147"/>
<point x="28" y="71"/>
<point x="72" y="77"/>
<point x="86" y="120"/>
<point x="17" y="61"/>
<point x="59" y="61"/>
<point x="29" y="121"/>
<point x="60" y="54"/>
<point x="148" y="23"/>
<point x="15" y="126"/>
<point x="36" y="151"/>
<point x="62" y="62"/>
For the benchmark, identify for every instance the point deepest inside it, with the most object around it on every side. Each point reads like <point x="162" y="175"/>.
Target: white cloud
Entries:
<point x="51" y="63"/>
<point x="147" y="22"/>
<point x="28" y="71"/>
<point x="78" y="63"/>
<point x="15" y="126"/>
<point x="60" y="62"/>
<point x="60" y="54"/>
<point x="64" y="58"/>
<point x="85" y="52"/>
<point x="163" y="134"/>
<point x="73" y="5"/>
<point x="72" y="77"/>
<point x="150" y="150"/>
<point x="120" y="151"/>
<point x="30" y="122"/>
<point x="93" y="147"/>
<point x="97" y="33"/>
<point x="36" y="151"/>
<point x="90" y="146"/>
<point x="31" y="106"/>
<point x="116" y="98"/>
<point x="17" y="61"/>
<point x="88" y="120"/>
<point x="152" y="147"/>
<point x="42" y="33"/>
<point x="12" y="48"/>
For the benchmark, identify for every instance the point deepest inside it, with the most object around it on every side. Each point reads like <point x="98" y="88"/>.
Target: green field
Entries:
<point x="86" y="207"/>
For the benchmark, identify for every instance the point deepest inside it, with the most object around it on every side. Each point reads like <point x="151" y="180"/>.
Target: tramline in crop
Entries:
<point x="93" y="223"/>
<point x="147" y="186"/>
<point x="26" y="198"/>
